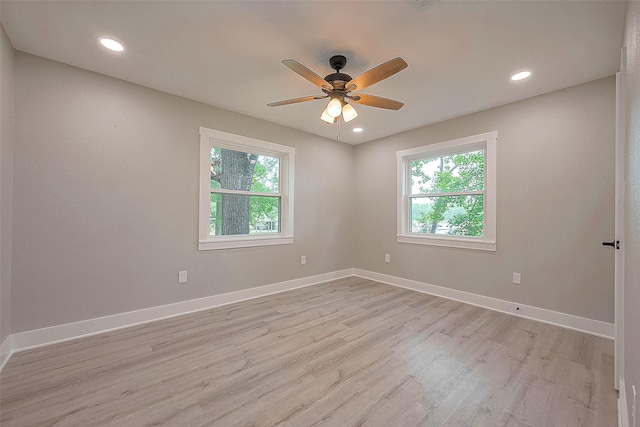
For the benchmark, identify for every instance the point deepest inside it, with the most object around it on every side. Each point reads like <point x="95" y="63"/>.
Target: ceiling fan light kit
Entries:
<point x="348" y="113"/>
<point x="338" y="86"/>
<point x="328" y="118"/>
<point x="334" y="109"/>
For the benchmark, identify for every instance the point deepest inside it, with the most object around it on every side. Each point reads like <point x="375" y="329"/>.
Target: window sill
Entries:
<point x="452" y="242"/>
<point x="234" y="242"/>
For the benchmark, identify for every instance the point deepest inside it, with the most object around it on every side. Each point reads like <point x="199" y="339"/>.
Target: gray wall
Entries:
<point x="106" y="184"/>
<point x="7" y="63"/>
<point x="555" y="156"/>
<point x="632" y="212"/>
<point x="105" y="199"/>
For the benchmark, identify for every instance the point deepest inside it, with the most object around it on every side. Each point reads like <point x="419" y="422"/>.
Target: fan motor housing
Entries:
<point x="338" y="77"/>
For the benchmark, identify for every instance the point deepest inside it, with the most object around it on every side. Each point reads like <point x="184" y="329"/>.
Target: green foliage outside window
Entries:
<point x="265" y="211"/>
<point x="451" y="201"/>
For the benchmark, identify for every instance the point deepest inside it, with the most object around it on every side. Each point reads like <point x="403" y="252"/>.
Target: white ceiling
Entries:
<point x="227" y="53"/>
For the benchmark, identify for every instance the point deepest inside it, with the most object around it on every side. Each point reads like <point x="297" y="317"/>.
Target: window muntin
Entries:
<point x="446" y="193"/>
<point x="246" y="191"/>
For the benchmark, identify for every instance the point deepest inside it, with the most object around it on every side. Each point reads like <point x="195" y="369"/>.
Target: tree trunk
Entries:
<point x="236" y="172"/>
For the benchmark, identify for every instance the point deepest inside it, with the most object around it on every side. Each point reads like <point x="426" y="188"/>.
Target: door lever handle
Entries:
<point x="614" y="244"/>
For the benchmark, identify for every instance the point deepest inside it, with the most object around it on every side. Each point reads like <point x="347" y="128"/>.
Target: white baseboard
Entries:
<point x="54" y="334"/>
<point x="623" y="413"/>
<point x="582" y="324"/>
<point x="6" y="349"/>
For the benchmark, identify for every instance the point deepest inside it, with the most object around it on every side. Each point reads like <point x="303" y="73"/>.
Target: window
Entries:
<point x="447" y="193"/>
<point x="246" y="191"/>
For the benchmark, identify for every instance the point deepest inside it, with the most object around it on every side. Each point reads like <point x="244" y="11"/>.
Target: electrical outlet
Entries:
<point x="303" y="259"/>
<point x="516" y="278"/>
<point x="387" y="258"/>
<point x="182" y="276"/>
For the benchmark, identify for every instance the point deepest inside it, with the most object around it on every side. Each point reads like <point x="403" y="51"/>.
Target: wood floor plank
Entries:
<point x="350" y="352"/>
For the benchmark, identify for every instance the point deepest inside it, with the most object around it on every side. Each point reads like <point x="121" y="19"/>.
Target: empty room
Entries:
<point x="319" y="213"/>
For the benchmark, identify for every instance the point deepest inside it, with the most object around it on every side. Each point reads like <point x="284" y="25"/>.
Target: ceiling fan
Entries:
<point x="338" y="86"/>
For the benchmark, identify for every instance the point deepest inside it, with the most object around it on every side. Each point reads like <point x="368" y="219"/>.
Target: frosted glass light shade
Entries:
<point x="334" y="108"/>
<point x="348" y="113"/>
<point x="327" y="118"/>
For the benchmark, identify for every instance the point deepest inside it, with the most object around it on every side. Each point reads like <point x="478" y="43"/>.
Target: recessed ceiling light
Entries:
<point x="111" y="45"/>
<point x="521" y="75"/>
<point x="357" y="130"/>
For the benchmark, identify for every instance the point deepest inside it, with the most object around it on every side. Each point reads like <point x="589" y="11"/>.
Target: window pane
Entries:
<point x="450" y="215"/>
<point x="214" y="160"/>
<point x="238" y="170"/>
<point x="236" y="214"/>
<point x="215" y="217"/>
<point x="266" y="175"/>
<point x="448" y="174"/>
<point x="264" y="214"/>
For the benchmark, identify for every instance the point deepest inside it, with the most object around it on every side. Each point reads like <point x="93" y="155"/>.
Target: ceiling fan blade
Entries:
<point x="376" y="101"/>
<point x="378" y="73"/>
<point x="307" y="73"/>
<point x="294" y="100"/>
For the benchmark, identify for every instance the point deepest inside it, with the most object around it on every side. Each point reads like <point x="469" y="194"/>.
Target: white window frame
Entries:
<point x="484" y="141"/>
<point x="214" y="138"/>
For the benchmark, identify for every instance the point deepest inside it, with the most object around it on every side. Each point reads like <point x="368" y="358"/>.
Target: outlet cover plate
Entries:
<point x="516" y="278"/>
<point x="182" y="276"/>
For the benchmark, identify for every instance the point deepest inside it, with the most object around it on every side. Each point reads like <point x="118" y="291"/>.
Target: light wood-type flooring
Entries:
<point x="346" y="353"/>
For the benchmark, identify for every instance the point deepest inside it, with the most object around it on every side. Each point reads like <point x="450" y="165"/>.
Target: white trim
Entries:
<point x="245" y="193"/>
<point x="449" y="147"/>
<point x="6" y="350"/>
<point x="620" y="166"/>
<point x="233" y="141"/>
<point x="623" y="412"/>
<point x="450" y="242"/>
<point x="54" y="334"/>
<point x="232" y="242"/>
<point x="41" y="337"/>
<point x="485" y="141"/>
<point x="286" y="154"/>
<point x="459" y="193"/>
<point x="582" y="324"/>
